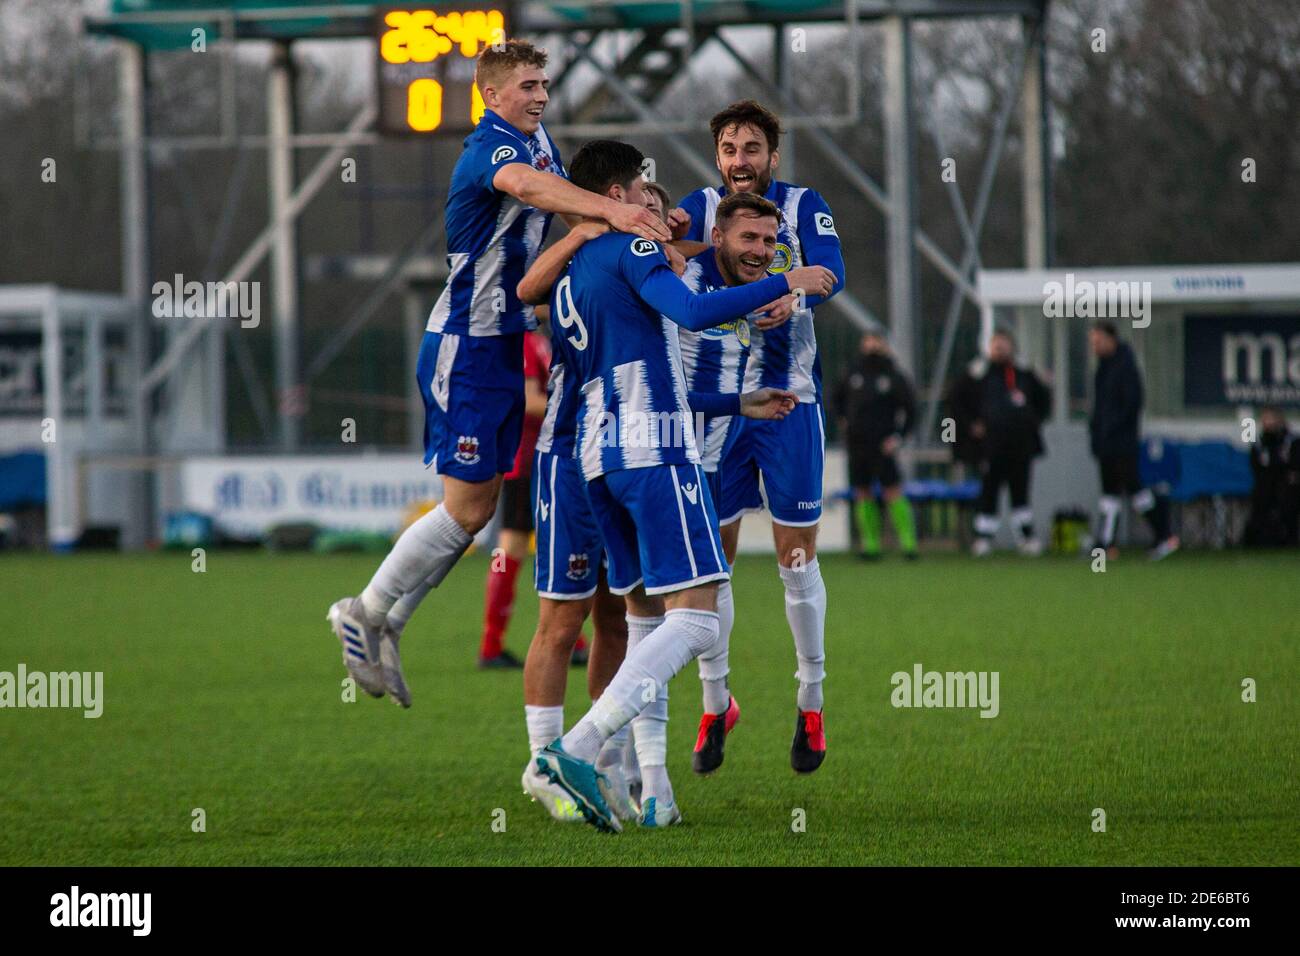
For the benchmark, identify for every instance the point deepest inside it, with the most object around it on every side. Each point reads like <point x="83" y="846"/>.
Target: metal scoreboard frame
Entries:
<point x="424" y="64"/>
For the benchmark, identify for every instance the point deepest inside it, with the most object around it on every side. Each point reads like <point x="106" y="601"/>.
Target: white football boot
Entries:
<point x="390" y="665"/>
<point x="619" y="796"/>
<point x="655" y="813"/>
<point x="552" y="796"/>
<point x="360" y="645"/>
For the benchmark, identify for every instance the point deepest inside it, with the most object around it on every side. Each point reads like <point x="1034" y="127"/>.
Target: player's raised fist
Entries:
<point x="638" y="220"/>
<point x="770" y="403"/>
<point x="814" y="280"/>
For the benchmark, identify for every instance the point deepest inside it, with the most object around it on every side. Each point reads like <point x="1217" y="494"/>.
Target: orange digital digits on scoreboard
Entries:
<point x="426" y="67"/>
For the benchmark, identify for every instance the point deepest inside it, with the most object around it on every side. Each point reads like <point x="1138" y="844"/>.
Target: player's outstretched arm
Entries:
<point x="714" y="404"/>
<point x="767" y="403"/>
<point x="668" y="295"/>
<point x="535" y="287"/>
<point x="556" y="194"/>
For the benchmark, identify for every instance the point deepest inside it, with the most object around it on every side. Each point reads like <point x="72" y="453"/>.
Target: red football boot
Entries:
<point x="713" y="734"/>
<point x="809" y="747"/>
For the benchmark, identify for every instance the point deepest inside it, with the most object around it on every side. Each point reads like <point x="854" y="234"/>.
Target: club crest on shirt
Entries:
<point x="579" y="567"/>
<point x="782" y="260"/>
<point x="467" y="450"/>
<point x="542" y="161"/>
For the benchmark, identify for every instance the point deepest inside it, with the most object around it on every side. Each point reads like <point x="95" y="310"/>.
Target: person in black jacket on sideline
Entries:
<point x="1275" y="501"/>
<point x="877" y="409"/>
<point x="1113" y="429"/>
<point x="999" y="408"/>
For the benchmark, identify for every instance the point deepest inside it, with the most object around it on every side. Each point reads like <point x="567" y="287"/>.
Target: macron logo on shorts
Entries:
<point x="691" y="491"/>
<point x="546" y="511"/>
<point x="503" y="153"/>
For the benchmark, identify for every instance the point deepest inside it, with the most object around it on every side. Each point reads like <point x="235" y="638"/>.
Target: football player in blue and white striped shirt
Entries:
<point x="744" y="239"/>
<point x="507" y="183"/>
<point x="614" y="308"/>
<point x="790" y="454"/>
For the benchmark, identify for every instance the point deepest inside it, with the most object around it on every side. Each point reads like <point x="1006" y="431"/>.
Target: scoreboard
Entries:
<point x="425" y="58"/>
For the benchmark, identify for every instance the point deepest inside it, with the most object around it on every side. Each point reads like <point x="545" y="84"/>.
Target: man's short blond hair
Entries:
<point x="497" y="61"/>
<point x="659" y="190"/>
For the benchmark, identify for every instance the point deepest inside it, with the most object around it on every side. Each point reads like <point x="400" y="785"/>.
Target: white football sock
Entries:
<point x="425" y="552"/>
<point x="544" y="724"/>
<point x="631" y="766"/>
<point x="805" y="609"/>
<point x="713" y="662"/>
<point x="639" y="628"/>
<point x="399" y="615"/>
<point x="652" y="749"/>
<point x="655" y="783"/>
<point x="611" y="754"/>
<point x="645" y="672"/>
<point x="650" y="728"/>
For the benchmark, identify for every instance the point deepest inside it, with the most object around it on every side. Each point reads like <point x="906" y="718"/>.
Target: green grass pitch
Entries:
<point x="222" y="691"/>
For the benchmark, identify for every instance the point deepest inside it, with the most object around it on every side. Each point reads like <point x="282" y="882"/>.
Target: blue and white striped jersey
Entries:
<point x="560" y="424"/>
<point x="633" y="410"/>
<point x="784" y="357"/>
<point x="492" y="238"/>
<point x="714" y="359"/>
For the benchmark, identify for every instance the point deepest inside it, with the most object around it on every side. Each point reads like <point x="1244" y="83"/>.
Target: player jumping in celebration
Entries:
<point x="790" y="453"/>
<point x="744" y="238"/>
<point x="613" y="308"/>
<point x="507" y="183"/>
